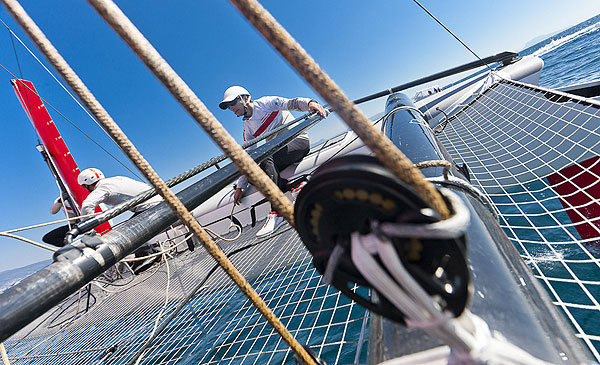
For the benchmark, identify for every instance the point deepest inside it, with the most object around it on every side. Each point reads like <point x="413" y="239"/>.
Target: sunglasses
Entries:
<point x="234" y="101"/>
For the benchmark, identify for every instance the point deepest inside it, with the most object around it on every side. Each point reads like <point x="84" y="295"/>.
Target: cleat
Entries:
<point x="273" y="222"/>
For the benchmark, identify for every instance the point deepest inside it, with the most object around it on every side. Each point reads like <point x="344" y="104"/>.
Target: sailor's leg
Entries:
<point x="293" y="152"/>
<point x="270" y="169"/>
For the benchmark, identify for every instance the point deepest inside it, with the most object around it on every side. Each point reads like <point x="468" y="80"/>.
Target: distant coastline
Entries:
<point x="9" y="278"/>
<point x="540" y="38"/>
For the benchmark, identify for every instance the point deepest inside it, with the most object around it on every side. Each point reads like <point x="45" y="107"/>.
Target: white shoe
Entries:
<point x="273" y="222"/>
<point x="296" y="191"/>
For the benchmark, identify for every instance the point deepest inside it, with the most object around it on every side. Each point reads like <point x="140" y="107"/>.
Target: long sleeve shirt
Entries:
<point x="268" y="113"/>
<point x="116" y="190"/>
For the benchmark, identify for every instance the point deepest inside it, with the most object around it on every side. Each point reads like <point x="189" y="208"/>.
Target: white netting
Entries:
<point x="535" y="154"/>
<point x="217" y="325"/>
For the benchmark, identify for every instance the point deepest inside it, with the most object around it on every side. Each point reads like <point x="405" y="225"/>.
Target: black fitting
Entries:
<point x="312" y="354"/>
<point x="74" y="232"/>
<point x="108" y="352"/>
<point x="349" y="193"/>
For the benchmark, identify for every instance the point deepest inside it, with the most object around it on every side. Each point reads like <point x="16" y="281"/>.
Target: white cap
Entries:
<point x="230" y="94"/>
<point x="89" y="176"/>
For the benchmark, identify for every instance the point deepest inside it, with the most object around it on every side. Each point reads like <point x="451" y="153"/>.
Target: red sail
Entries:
<point x="52" y="140"/>
<point x="579" y="191"/>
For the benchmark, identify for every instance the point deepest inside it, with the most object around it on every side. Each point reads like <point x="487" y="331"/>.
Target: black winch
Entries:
<point x="347" y="195"/>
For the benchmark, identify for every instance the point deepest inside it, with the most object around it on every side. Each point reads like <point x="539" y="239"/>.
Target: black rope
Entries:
<point x="16" y="55"/>
<point x="449" y="31"/>
<point x="13" y="44"/>
<point x="443" y="124"/>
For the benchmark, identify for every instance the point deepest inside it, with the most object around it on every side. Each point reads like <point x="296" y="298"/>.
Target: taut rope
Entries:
<point x="298" y="58"/>
<point x="194" y="106"/>
<point x="201" y="114"/>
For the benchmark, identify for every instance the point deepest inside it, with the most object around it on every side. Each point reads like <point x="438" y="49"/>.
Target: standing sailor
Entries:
<point x="261" y="116"/>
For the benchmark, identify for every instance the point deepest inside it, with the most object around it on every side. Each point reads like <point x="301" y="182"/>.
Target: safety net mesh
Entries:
<point x="535" y="154"/>
<point x="205" y="318"/>
<point x="532" y="151"/>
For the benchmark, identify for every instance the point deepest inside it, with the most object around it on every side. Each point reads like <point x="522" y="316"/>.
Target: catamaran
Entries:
<point x="423" y="256"/>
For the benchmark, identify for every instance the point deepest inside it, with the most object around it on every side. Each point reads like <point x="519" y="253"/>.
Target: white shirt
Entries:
<point x="114" y="191"/>
<point x="268" y="113"/>
<point x="58" y="205"/>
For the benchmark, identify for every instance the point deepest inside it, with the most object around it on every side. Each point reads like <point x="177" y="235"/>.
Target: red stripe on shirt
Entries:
<point x="266" y="123"/>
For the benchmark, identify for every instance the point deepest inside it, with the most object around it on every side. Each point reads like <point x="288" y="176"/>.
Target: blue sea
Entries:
<point x="571" y="57"/>
<point x="9" y="278"/>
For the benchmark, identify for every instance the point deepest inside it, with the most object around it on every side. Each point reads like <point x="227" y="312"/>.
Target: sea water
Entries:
<point x="571" y="56"/>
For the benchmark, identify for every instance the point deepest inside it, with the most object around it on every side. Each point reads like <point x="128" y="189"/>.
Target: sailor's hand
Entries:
<point x="237" y="196"/>
<point x="313" y="106"/>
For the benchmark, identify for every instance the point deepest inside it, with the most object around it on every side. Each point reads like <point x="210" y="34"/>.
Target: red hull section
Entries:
<point x="578" y="187"/>
<point x="52" y="140"/>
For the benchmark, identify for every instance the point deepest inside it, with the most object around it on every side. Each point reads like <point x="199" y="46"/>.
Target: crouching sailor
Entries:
<point x="113" y="191"/>
<point x="261" y="116"/>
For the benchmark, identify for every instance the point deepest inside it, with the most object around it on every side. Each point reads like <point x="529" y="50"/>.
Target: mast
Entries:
<point x="59" y="158"/>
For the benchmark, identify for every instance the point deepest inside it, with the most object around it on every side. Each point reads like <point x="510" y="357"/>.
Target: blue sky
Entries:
<point x="365" y="46"/>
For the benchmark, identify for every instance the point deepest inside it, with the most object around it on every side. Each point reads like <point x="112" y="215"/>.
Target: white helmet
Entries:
<point x="230" y="94"/>
<point x="89" y="176"/>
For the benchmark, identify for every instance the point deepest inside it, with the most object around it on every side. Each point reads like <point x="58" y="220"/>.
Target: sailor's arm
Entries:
<point x="56" y="206"/>
<point x="91" y="202"/>
<point x="315" y="107"/>
<point x="299" y="103"/>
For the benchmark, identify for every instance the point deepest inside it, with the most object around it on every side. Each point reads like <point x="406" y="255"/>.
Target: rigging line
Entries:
<point x="162" y="310"/>
<point x="68" y="321"/>
<point x="449" y="31"/>
<point x="184" y="240"/>
<point x="71" y="95"/>
<point x="12" y="39"/>
<point x="58" y="81"/>
<point x="75" y="125"/>
<point x="28" y="241"/>
<point x="50" y="223"/>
